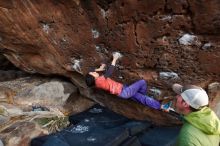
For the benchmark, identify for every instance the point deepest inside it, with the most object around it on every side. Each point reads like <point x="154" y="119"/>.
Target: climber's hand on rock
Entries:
<point x="116" y="55"/>
<point x="101" y="68"/>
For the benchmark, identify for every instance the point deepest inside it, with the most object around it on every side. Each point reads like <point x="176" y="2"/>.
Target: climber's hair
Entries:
<point x="90" y="80"/>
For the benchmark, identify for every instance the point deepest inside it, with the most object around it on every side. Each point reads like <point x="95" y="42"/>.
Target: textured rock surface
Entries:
<point x="48" y="35"/>
<point x="34" y="91"/>
<point x="37" y="106"/>
<point x="133" y="109"/>
<point x="16" y="135"/>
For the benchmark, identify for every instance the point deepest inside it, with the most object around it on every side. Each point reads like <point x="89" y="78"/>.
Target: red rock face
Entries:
<point x="44" y="36"/>
<point x="206" y="16"/>
<point x="41" y="36"/>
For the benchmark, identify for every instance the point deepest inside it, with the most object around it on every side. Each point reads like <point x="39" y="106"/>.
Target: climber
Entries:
<point x="136" y="91"/>
<point x="201" y="125"/>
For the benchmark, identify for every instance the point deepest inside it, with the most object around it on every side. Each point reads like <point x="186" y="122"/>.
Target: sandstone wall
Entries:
<point x="43" y="36"/>
<point x="48" y="36"/>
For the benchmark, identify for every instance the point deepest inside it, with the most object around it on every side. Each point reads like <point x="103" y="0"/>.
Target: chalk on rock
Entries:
<point x="95" y="33"/>
<point x="168" y="75"/>
<point x="117" y="54"/>
<point x="215" y="86"/>
<point x="188" y="39"/>
<point x="206" y="46"/>
<point x="76" y="65"/>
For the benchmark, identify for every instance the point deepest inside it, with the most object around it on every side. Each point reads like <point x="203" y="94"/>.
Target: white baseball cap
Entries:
<point x="193" y="95"/>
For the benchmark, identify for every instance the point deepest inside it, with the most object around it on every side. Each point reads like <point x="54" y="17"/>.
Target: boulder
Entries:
<point x="44" y="93"/>
<point x="68" y="37"/>
<point x="16" y="135"/>
<point x="36" y="105"/>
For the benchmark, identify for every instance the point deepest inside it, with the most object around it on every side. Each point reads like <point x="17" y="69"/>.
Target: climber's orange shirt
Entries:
<point x="108" y="85"/>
